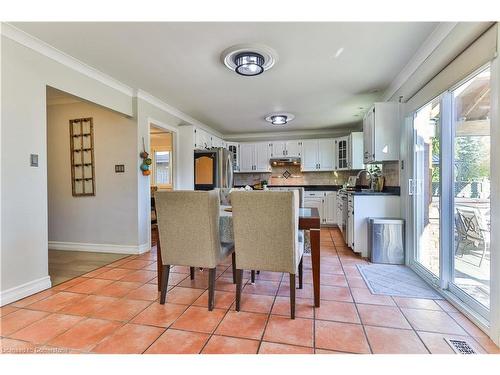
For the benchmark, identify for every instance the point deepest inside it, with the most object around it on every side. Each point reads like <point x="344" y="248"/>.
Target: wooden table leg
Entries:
<point x="315" y="260"/>
<point x="159" y="263"/>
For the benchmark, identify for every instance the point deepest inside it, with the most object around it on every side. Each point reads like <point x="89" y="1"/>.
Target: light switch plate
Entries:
<point x="33" y="160"/>
<point x="120" y="168"/>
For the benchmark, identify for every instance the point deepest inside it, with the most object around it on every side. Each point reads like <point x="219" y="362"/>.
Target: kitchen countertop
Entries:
<point x="384" y="192"/>
<point x="389" y="190"/>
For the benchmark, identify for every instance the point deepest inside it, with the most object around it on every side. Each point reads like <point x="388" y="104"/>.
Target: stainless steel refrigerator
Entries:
<point x="213" y="169"/>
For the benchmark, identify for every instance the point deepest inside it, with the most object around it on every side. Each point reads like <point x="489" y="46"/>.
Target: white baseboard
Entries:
<point x="24" y="290"/>
<point x="99" y="248"/>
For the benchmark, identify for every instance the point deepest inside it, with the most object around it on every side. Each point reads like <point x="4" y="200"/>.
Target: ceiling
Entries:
<point x="180" y="64"/>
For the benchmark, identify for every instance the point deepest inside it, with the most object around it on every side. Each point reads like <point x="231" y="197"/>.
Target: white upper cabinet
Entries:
<point x="285" y="149"/>
<point x="217" y="142"/>
<point x="381" y="132"/>
<point x="233" y="148"/>
<point x="262" y="157"/>
<point x="293" y="148"/>
<point x="349" y="152"/>
<point x="326" y="154"/>
<point x="318" y="155"/>
<point x="202" y="139"/>
<point x="342" y="153"/>
<point x="246" y="157"/>
<point x="309" y="159"/>
<point x="254" y="157"/>
<point x="278" y="149"/>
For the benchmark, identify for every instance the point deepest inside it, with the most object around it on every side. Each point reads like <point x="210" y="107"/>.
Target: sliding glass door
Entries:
<point x="471" y="234"/>
<point x="451" y="191"/>
<point x="427" y="187"/>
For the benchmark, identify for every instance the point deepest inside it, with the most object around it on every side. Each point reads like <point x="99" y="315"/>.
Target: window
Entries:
<point x="162" y="167"/>
<point x="471" y="125"/>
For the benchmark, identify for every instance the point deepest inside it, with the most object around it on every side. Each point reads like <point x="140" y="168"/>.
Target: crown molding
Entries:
<point x="47" y="50"/>
<point x="440" y="32"/>
<point x="188" y="120"/>
<point x="63" y="58"/>
<point x="297" y="134"/>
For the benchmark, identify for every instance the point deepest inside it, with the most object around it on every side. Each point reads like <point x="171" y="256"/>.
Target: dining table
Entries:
<point x="309" y="220"/>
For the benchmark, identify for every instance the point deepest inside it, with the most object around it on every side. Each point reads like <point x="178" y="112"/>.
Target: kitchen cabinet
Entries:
<point x="254" y="157"/>
<point x="217" y="142"/>
<point x="285" y="149"/>
<point x="360" y="208"/>
<point x="233" y="148"/>
<point x="349" y="152"/>
<point x="325" y="202"/>
<point x="381" y="133"/>
<point x="330" y="209"/>
<point x="318" y="155"/>
<point x="202" y="139"/>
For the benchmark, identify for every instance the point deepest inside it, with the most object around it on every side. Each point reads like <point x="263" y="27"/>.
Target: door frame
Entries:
<point x="444" y="285"/>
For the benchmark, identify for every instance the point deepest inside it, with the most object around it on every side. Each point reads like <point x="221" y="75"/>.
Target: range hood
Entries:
<point x="277" y="162"/>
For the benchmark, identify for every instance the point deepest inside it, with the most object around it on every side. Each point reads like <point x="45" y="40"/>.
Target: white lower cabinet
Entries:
<point x="360" y="208"/>
<point x="330" y="207"/>
<point x="325" y="202"/>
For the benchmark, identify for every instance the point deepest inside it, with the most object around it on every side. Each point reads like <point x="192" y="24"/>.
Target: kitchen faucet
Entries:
<point x="371" y="177"/>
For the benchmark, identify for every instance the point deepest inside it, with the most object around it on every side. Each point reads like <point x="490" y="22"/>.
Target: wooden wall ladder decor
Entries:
<point x="81" y="132"/>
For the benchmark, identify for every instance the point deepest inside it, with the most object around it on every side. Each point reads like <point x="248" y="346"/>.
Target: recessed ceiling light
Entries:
<point x="249" y="63"/>
<point x="249" y="59"/>
<point x="280" y="118"/>
<point x="339" y="52"/>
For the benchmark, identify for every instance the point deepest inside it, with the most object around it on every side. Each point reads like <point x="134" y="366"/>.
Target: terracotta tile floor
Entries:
<point x="115" y="309"/>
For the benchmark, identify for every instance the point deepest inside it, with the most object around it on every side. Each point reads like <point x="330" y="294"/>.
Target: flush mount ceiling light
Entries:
<point x="280" y="118"/>
<point x="249" y="59"/>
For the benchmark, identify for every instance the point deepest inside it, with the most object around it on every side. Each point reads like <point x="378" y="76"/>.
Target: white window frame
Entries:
<point x="155" y="149"/>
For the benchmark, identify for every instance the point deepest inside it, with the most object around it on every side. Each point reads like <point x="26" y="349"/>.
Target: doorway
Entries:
<point x="89" y="198"/>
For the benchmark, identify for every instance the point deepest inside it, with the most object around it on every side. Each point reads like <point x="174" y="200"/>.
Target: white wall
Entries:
<point x="27" y="68"/>
<point x="24" y="235"/>
<point x="109" y="217"/>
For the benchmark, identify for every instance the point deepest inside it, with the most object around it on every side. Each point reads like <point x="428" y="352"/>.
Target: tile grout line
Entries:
<point x="188" y="306"/>
<point x="269" y="313"/>
<point x="357" y="310"/>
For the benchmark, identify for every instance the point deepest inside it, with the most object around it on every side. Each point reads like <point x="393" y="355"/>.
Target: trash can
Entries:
<point x="386" y="240"/>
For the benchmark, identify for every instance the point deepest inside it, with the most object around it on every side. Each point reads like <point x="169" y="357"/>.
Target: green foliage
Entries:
<point x="471" y="161"/>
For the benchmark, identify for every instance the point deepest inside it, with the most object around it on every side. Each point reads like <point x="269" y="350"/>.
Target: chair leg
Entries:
<point x="233" y="264"/>
<point x="239" y="278"/>
<point x="211" y="289"/>
<point x="301" y="268"/>
<point x="292" y="296"/>
<point x="252" y="277"/>
<point x="191" y="272"/>
<point x="164" y="283"/>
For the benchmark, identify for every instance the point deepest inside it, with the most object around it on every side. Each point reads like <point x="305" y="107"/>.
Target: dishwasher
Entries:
<point x="386" y="240"/>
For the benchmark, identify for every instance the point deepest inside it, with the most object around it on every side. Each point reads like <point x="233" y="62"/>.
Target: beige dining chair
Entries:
<point x="267" y="236"/>
<point x="188" y="228"/>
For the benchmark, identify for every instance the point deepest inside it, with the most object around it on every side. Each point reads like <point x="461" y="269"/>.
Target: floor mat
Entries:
<point x="395" y="280"/>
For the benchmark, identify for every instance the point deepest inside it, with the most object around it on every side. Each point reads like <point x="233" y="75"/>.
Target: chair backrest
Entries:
<point x="300" y="190"/>
<point x="265" y="227"/>
<point x="469" y="223"/>
<point x="188" y="226"/>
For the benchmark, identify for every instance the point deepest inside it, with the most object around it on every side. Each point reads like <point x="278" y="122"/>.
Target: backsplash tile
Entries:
<point x="389" y="169"/>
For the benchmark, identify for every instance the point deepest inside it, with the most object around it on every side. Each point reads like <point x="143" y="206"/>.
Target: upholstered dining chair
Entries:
<point x="188" y="227"/>
<point x="267" y="237"/>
